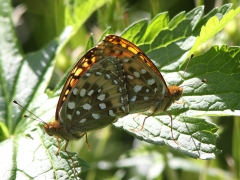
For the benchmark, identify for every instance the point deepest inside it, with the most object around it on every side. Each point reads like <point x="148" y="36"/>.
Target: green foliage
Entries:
<point x="28" y="153"/>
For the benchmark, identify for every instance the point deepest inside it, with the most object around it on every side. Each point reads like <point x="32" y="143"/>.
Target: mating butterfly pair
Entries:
<point x="110" y="81"/>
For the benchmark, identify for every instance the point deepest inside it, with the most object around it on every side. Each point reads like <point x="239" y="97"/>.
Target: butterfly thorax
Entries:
<point x="64" y="132"/>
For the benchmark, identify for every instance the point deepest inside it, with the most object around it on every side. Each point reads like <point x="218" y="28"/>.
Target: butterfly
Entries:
<point x="113" y="79"/>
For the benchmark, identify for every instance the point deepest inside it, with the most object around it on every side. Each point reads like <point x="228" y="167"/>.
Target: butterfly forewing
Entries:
<point x="97" y="99"/>
<point x="79" y="68"/>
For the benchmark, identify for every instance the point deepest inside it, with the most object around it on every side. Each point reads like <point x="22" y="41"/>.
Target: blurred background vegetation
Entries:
<point x="115" y="154"/>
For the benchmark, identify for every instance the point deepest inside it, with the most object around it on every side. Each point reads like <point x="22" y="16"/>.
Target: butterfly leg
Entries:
<point x="80" y="136"/>
<point x="58" y="146"/>
<point x="142" y="127"/>
<point x="171" y="126"/>
<point x="177" y="102"/>
<point x="136" y="115"/>
<point x="89" y="147"/>
<point x="65" y="149"/>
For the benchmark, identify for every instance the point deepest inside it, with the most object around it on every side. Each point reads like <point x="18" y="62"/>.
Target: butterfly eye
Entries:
<point x="48" y="130"/>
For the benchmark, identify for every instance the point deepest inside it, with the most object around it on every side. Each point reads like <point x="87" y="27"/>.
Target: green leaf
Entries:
<point x="159" y="23"/>
<point x="214" y="25"/>
<point x="220" y="94"/>
<point x="77" y="13"/>
<point x="136" y="29"/>
<point x="192" y="136"/>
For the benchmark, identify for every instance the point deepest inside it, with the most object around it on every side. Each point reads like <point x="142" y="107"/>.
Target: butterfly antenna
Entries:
<point x="190" y="58"/>
<point x="38" y="119"/>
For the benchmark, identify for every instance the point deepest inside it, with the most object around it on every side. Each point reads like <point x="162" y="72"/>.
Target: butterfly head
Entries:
<point x="52" y="128"/>
<point x="56" y="129"/>
<point x="176" y="92"/>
